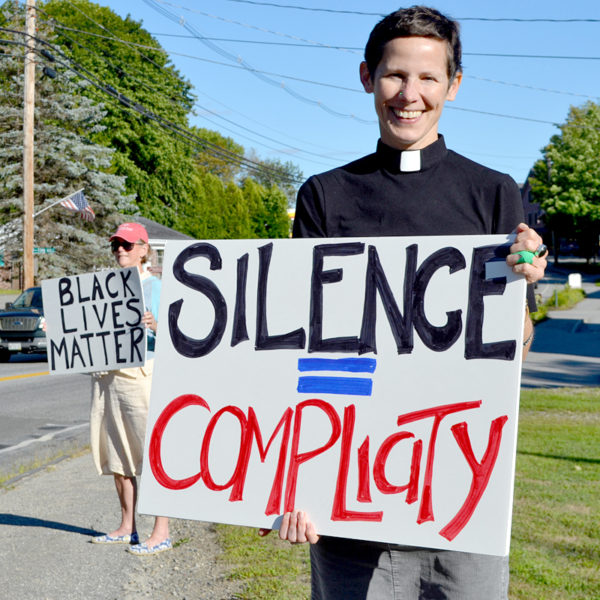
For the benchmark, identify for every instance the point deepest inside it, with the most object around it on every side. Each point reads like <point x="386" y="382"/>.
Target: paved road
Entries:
<point x="41" y="416"/>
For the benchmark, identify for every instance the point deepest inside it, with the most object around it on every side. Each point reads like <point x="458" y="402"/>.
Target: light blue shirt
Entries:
<point x="151" y="287"/>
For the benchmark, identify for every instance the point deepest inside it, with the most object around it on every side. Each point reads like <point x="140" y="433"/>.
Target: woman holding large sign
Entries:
<point x="412" y="185"/>
<point x="120" y="400"/>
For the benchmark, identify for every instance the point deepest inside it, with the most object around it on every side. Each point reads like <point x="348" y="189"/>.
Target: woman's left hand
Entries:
<point x="529" y="241"/>
<point x="149" y="321"/>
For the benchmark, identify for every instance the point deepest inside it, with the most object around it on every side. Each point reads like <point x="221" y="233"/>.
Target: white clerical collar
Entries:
<point x="410" y="160"/>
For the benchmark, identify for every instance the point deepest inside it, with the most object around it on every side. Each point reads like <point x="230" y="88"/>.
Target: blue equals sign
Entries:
<point x="331" y="384"/>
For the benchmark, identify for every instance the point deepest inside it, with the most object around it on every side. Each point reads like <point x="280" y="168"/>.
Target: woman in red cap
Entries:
<point x="120" y="402"/>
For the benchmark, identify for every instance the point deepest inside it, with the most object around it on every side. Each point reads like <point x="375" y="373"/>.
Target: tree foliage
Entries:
<point x="169" y="165"/>
<point x="155" y="163"/>
<point x="566" y="181"/>
<point x="114" y="121"/>
<point x="66" y="159"/>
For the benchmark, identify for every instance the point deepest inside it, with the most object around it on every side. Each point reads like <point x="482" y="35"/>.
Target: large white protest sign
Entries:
<point x="373" y="383"/>
<point x="94" y="321"/>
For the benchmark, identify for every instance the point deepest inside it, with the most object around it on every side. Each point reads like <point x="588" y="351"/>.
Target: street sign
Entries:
<point x="44" y="250"/>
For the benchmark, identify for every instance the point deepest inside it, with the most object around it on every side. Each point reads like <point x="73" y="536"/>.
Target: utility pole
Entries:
<point x="28" y="145"/>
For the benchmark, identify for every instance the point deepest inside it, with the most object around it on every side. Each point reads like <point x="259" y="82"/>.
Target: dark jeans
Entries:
<point x="344" y="569"/>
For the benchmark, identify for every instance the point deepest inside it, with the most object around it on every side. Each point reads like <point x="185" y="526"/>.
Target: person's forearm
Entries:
<point x="527" y="333"/>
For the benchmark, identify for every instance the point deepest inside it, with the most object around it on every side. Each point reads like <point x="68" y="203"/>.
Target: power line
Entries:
<point x="120" y="70"/>
<point x="261" y="124"/>
<point x="258" y="72"/>
<point x="215" y="62"/>
<point x="326" y="10"/>
<point x="261" y="74"/>
<point x="542" y="56"/>
<point x="318" y="46"/>
<point x="531" y="87"/>
<point x="254" y="27"/>
<point x="492" y="114"/>
<point x="236" y="66"/>
<point x="344" y="88"/>
<point x="114" y="38"/>
<point x="360" y="91"/>
<point x="258" y="142"/>
<point x="209" y="147"/>
<point x="377" y="14"/>
<point x="159" y="49"/>
<point x="257" y="133"/>
<point x="249" y="67"/>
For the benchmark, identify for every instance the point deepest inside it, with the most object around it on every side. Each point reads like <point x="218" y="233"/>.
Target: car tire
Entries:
<point x="4" y="356"/>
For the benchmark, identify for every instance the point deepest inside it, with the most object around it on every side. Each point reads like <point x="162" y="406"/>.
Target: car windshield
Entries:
<point x="31" y="298"/>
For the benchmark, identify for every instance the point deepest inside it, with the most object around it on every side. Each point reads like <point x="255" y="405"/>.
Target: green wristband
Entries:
<point x="525" y="256"/>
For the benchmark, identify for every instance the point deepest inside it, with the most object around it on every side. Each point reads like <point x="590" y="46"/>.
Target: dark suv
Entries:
<point x="21" y="325"/>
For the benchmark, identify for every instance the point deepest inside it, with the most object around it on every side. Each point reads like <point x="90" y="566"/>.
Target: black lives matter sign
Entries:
<point x="94" y="321"/>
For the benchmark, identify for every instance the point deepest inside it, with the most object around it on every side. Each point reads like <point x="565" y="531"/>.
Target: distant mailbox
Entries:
<point x="574" y="280"/>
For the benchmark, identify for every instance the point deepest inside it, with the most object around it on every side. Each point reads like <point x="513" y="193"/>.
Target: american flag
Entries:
<point x="77" y="203"/>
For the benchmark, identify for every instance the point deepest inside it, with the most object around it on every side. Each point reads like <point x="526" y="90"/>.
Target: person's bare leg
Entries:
<point x="160" y="532"/>
<point x="127" y="492"/>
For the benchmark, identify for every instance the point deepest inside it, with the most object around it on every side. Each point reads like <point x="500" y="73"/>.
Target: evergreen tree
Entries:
<point x="65" y="160"/>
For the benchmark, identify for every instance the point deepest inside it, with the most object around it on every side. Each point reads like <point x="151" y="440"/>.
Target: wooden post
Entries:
<point x="28" y="145"/>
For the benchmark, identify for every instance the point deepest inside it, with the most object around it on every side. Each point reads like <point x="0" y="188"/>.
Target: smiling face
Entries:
<point x="129" y="258"/>
<point x="410" y="86"/>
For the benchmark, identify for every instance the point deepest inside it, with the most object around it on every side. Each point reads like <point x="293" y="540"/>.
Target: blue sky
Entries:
<point x="284" y="111"/>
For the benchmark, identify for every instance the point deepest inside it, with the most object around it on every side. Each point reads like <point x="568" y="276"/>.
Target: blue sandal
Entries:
<point x="144" y="550"/>
<point x="117" y="539"/>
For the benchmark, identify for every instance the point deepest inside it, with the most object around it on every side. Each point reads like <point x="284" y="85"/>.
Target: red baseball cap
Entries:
<point x="130" y="232"/>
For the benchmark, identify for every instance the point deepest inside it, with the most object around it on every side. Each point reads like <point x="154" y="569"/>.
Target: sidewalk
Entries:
<point x="566" y="347"/>
<point x="46" y="521"/>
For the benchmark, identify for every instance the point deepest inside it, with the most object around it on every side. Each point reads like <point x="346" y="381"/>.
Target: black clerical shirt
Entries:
<point x="433" y="191"/>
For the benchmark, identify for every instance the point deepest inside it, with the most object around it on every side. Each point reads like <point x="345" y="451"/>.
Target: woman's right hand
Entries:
<point x="296" y="528"/>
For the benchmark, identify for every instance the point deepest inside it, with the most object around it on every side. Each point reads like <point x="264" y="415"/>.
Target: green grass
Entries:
<point x="272" y="569"/>
<point x="555" y="551"/>
<point x="13" y="473"/>
<point x="567" y="298"/>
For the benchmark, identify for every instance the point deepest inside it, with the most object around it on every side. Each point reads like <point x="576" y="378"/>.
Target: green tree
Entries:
<point x="566" y="181"/>
<point x="66" y="159"/>
<point x="156" y="163"/>
<point x="226" y="170"/>
<point x="268" y="210"/>
<point x="169" y="173"/>
<point x="285" y="175"/>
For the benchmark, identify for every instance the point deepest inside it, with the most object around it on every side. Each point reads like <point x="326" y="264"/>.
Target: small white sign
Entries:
<point x="373" y="383"/>
<point x="94" y="321"/>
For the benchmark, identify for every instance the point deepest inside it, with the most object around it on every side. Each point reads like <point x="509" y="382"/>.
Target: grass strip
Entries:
<point x="563" y="299"/>
<point x="272" y="569"/>
<point x="555" y="551"/>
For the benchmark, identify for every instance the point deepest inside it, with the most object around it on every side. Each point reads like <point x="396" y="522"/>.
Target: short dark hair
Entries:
<point x="415" y="21"/>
